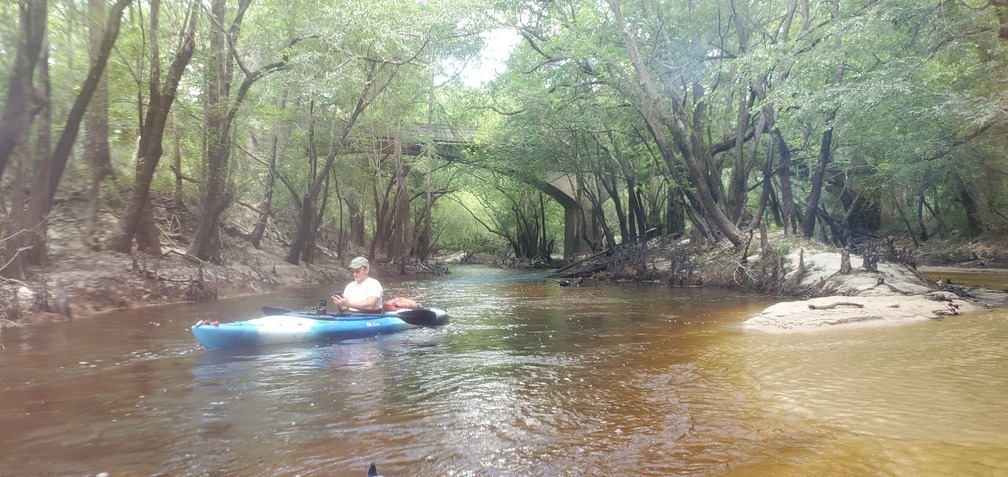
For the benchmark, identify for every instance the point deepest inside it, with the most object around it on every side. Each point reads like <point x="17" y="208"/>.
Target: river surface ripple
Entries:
<point x="529" y="379"/>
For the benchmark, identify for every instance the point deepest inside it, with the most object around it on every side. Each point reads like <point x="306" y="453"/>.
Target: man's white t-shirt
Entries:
<point x="358" y="291"/>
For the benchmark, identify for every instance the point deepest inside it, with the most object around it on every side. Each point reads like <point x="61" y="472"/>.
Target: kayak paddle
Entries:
<point x="417" y="317"/>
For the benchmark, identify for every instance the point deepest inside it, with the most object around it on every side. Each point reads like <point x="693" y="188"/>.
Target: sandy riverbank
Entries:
<point x="893" y="294"/>
<point x="858" y="311"/>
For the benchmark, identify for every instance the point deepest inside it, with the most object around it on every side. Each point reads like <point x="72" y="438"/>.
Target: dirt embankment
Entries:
<point x="80" y="281"/>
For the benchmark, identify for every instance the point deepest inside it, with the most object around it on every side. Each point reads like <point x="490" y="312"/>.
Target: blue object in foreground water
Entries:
<point x="283" y="326"/>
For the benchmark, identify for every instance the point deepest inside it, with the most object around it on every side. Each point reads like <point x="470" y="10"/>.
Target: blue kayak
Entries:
<point x="282" y="326"/>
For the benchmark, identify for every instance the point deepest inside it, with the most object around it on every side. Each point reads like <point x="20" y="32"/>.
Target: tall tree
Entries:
<point x="266" y="204"/>
<point x="378" y="75"/>
<point x="20" y="104"/>
<point x="161" y="98"/>
<point x="49" y="171"/>
<point x="687" y="136"/>
<point x="221" y="108"/>
<point x="96" y="132"/>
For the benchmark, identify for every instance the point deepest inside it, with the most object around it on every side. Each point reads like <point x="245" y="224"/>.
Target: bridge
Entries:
<point x="581" y="227"/>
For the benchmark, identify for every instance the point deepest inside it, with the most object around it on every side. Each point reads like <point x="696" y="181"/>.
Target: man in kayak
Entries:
<point x="362" y="294"/>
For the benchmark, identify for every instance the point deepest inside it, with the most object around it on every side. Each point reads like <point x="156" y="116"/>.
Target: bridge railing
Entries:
<point x="442" y="133"/>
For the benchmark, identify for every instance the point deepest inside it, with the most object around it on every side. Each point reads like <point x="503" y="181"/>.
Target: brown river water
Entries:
<point x="528" y="379"/>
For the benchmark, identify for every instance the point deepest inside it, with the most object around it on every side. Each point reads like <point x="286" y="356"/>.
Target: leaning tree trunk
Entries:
<point x="138" y="213"/>
<point x="369" y="92"/>
<point x="45" y="184"/>
<point x="367" y="96"/>
<point x="271" y="175"/>
<point x="660" y="119"/>
<point x="64" y="145"/>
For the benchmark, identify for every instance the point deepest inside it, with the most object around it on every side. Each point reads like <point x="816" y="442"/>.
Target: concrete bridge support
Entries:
<point x="581" y="228"/>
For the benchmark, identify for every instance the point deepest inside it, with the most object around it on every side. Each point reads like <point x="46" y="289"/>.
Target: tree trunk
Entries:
<point x="920" y="218"/>
<point x="271" y="174"/>
<point x="301" y="237"/>
<point x="675" y="211"/>
<point x="36" y="213"/>
<point x="420" y="246"/>
<point x="138" y="219"/>
<point x="64" y="146"/>
<point x="384" y="206"/>
<point x="355" y="221"/>
<point x="20" y="106"/>
<point x="787" y="193"/>
<point x="768" y="168"/>
<point x="815" y="187"/>
<point x="177" y="200"/>
<point x="216" y="150"/>
<point x="973" y="222"/>
<point x="221" y="110"/>
<point x="737" y="187"/>
<point x="545" y="245"/>
<point x="370" y="91"/>
<point x="626" y="224"/>
<point x="422" y="239"/>
<point x="308" y="254"/>
<point x="661" y="120"/>
<point x="906" y="221"/>
<point x="402" y="223"/>
<point x="49" y="169"/>
<point x="96" y="144"/>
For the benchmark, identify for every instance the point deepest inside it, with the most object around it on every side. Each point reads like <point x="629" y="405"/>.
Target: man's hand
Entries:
<point x="339" y="300"/>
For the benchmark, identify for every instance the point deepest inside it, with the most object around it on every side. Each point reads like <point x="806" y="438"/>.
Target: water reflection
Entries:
<point x="529" y="379"/>
<point x="992" y="278"/>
